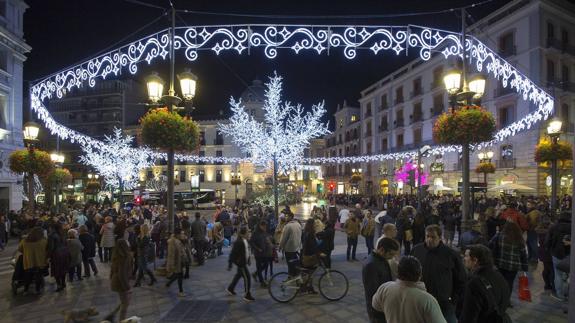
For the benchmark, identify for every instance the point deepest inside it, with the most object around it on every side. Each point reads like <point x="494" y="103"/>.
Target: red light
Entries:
<point x="138" y="200"/>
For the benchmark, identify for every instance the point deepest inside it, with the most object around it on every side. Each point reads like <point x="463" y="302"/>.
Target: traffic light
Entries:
<point x="319" y="188"/>
<point x="412" y="178"/>
<point x="138" y="200"/>
<point x="331" y="187"/>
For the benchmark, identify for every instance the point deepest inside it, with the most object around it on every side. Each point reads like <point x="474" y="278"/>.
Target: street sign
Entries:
<point x="474" y="187"/>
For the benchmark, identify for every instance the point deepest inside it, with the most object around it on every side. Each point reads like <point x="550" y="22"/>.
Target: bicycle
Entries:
<point x="333" y="285"/>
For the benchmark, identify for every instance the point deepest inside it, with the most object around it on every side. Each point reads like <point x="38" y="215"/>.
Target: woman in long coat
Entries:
<point x="59" y="255"/>
<point x="107" y="234"/>
<point x="120" y="273"/>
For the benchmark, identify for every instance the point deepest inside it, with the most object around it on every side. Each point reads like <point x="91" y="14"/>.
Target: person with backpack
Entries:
<point x="558" y="245"/>
<point x="487" y="295"/>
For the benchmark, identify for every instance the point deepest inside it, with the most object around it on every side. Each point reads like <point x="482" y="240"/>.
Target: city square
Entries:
<point x="328" y="162"/>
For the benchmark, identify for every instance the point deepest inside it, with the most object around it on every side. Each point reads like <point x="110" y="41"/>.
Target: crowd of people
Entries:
<point x="424" y="263"/>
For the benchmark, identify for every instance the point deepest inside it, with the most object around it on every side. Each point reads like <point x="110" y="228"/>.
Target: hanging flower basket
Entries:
<point x="236" y="181"/>
<point x="486" y="168"/>
<point x="355" y="178"/>
<point x="546" y="151"/>
<point x="467" y="125"/>
<point x="60" y="176"/>
<point x="283" y="179"/>
<point x="40" y="163"/>
<point x="166" y="130"/>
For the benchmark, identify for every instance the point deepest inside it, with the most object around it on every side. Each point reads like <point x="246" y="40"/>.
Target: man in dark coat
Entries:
<point x="443" y="272"/>
<point x="240" y="256"/>
<point x="557" y="244"/>
<point x="486" y="293"/>
<point x="198" y="232"/>
<point x="376" y="272"/>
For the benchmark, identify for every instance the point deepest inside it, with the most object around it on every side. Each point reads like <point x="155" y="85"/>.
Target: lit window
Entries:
<point x="353" y="118"/>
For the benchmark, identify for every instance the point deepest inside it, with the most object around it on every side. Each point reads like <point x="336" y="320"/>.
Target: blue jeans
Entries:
<point x="561" y="286"/>
<point x="369" y="244"/>
<point x="532" y="248"/>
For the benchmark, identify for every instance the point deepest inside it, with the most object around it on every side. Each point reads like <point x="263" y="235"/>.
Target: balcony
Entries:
<point x="383" y="106"/>
<point x="416" y="117"/>
<point x="367" y="114"/>
<point x="435" y="84"/>
<point x="383" y="127"/>
<point x="398" y="123"/>
<point x="367" y="134"/>
<point x="507" y="52"/>
<point x="563" y="85"/>
<point x="506" y="163"/>
<point x="561" y="46"/>
<point x="416" y="92"/>
<point x="501" y="91"/>
<point x="398" y="100"/>
<point x="436" y="110"/>
<point x="218" y="142"/>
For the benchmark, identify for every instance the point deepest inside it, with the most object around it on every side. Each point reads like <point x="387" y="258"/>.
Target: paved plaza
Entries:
<point x="208" y="302"/>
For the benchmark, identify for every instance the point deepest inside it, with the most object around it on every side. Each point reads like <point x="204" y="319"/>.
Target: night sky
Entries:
<point x="63" y="33"/>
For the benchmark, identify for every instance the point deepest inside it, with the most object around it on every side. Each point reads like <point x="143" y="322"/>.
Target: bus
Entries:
<point x="204" y="198"/>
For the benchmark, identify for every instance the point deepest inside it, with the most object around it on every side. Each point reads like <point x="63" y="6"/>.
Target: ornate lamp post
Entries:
<point x="485" y="158"/>
<point x="554" y="131"/>
<point x="356" y="178"/>
<point x="58" y="159"/>
<point x="31" y="131"/>
<point x="461" y="93"/>
<point x="155" y="86"/>
<point x="235" y="181"/>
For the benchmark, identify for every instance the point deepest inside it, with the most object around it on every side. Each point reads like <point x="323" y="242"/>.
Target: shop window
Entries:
<point x="218" y="176"/>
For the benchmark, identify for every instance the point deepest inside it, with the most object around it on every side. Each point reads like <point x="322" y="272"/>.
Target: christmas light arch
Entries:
<point x="321" y="39"/>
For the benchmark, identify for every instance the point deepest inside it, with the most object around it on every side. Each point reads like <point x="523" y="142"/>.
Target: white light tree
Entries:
<point x="283" y="135"/>
<point x="117" y="161"/>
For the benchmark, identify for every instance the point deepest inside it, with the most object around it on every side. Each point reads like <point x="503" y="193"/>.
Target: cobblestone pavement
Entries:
<point x="207" y="283"/>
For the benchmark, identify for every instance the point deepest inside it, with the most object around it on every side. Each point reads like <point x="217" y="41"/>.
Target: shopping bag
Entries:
<point x="524" y="292"/>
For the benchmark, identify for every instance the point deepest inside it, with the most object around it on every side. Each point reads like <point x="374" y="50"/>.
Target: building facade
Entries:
<point x="12" y="51"/>
<point x="398" y="112"/>
<point x="345" y="140"/>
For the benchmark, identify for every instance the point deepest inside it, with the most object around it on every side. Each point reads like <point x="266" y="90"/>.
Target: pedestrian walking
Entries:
<point x="240" y="256"/>
<point x="75" y="247"/>
<point x="108" y="241"/>
<point x="352" y="229"/>
<point x="368" y="231"/>
<point x="175" y="261"/>
<point x="508" y="247"/>
<point x="34" y="258"/>
<point x="290" y="243"/>
<point x="88" y="251"/>
<point x="59" y="255"/>
<point x="145" y="255"/>
<point x="120" y="273"/>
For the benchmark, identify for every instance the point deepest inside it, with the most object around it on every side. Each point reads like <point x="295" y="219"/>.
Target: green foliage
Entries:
<point x="487" y="168"/>
<point x="546" y="151"/>
<point x="165" y="130"/>
<point x="38" y="163"/>
<point x="467" y="125"/>
<point x="60" y="176"/>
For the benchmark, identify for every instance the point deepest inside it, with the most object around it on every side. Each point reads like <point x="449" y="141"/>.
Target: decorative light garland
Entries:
<point x="318" y="38"/>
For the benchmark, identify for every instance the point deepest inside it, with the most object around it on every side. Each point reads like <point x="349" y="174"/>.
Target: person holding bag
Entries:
<point x="508" y="248"/>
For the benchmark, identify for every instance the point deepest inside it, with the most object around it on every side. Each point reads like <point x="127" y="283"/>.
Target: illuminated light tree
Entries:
<point x="283" y="135"/>
<point x="117" y="161"/>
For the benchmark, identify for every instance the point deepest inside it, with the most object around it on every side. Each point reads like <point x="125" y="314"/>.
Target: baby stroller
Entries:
<point x="18" y="276"/>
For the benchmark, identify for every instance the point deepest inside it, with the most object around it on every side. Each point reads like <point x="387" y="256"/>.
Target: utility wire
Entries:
<point x="396" y="15"/>
<point x="144" y="4"/>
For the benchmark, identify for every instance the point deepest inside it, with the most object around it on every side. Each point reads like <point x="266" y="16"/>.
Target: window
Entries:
<point x="437" y="77"/>
<point x="565" y="74"/>
<point x="340" y="153"/>
<point x="384" y="102"/>
<point x="353" y="118"/>
<point x="417" y="112"/>
<point x="564" y="37"/>
<point x="437" y="104"/>
<point x="202" y="175"/>
<point x="339" y="139"/>
<point x="399" y="118"/>
<point x="505" y="116"/>
<point x="384" y="145"/>
<point x="550" y="31"/>
<point x="565" y="113"/>
<point x="368" y="130"/>
<point x="417" y="136"/>
<point x="202" y="138"/>
<point x="417" y="89"/>
<point x="3" y="112"/>
<point x="218" y="154"/>
<point x="219" y="139"/>
<point x="182" y="176"/>
<point x="368" y="148"/>
<point x="149" y="174"/>
<point x="368" y="110"/>
<point x="507" y="45"/>
<point x="218" y="176"/>
<point x="399" y="95"/>
<point x="399" y="140"/>
<point x="507" y="152"/>
<point x="341" y="123"/>
<point x="550" y="71"/>
<point x="383" y="123"/>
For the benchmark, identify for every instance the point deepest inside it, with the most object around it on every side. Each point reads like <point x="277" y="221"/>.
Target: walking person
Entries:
<point x="259" y="245"/>
<point x="558" y="243"/>
<point x="59" y="255"/>
<point x="120" y="272"/>
<point x="290" y="243"/>
<point x="175" y="261"/>
<point x="376" y="272"/>
<point x="240" y="256"/>
<point x="198" y="229"/>
<point x="508" y="247"/>
<point x="326" y="245"/>
<point x="368" y="231"/>
<point x="487" y="294"/>
<point x="34" y="258"/>
<point x="145" y="252"/>
<point x="108" y="241"/>
<point x="75" y="247"/>
<point x="88" y="251"/>
<point x="352" y="229"/>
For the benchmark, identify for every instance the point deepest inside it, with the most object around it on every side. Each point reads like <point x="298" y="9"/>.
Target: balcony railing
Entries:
<point x="501" y="91"/>
<point x="436" y="110"/>
<point x="367" y="114"/>
<point x="218" y="142"/>
<point x="563" y="85"/>
<point x="506" y="52"/>
<point x="506" y="163"/>
<point x="416" y="92"/>
<point x="398" y="123"/>
<point x="367" y="133"/>
<point x="435" y="84"/>
<point x="383" y="106"/>
<point x="383" y="127"/>
<point x="416" y="117"/>
<point x="560" y="45"/>
<point x="399" y="100"/>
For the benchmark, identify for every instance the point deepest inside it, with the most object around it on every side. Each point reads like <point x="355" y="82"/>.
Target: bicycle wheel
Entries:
<point x="283" y="289"/>
<point x="333" y="285"/>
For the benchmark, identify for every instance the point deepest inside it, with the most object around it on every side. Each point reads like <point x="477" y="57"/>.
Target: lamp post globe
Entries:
<point x="155" y="86"/>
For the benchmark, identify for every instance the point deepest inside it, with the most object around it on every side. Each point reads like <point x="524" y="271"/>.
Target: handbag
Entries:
<point x="524" y="292"/>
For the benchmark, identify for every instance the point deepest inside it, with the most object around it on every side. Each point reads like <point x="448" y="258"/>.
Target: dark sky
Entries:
<point x="63" y="33"/>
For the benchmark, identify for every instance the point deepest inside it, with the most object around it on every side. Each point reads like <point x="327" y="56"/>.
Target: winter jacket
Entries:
<point x="374" y="273"/>
<point x="198" y="228"/>
<point x="175" y="255"/>
<point x="75" y="247"/>
<point x="508" y="256"/>
<point x="309" y="245"/>
<point x="352" y="227"/>
<point x="326" y="238"/>
<point x="89" y="244"/>
<point x="443" y="272"/>
<point x="258" y="243"/>
<point x="238" y="254"/>
<point x="107" y="233"/>
<point x="554" y="239"/>
<point x="33" y="253"/>
<point x="121" y="268"/>
<point x="482" y="301"/>
<point x="291" y="237"/>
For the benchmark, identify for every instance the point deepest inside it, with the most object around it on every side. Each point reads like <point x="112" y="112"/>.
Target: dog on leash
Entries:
<point x="74" y="316"/>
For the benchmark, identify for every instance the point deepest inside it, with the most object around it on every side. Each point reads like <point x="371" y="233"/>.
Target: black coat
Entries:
<point x="479" y="302"/>
<point x="258" y="243"/>
<point x="554" y="241"/>
<point x="238" y="254"/>
<point x="326" y="236"/>
<point x="443" y="272"/>
<point x="89" y="244"/>
<point x="374" y="273"/>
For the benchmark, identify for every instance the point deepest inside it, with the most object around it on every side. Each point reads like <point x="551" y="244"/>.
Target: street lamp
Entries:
<point x="235" y="181"/>
<point x="485" y="158"/>
<point x="554" y="130"/>
<point x="423" y="151"/>
<point x="31" y="131"/>
<point x="58" y="159"/>
<point x="155" y="86"/>
<point x="463" y="93"/>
